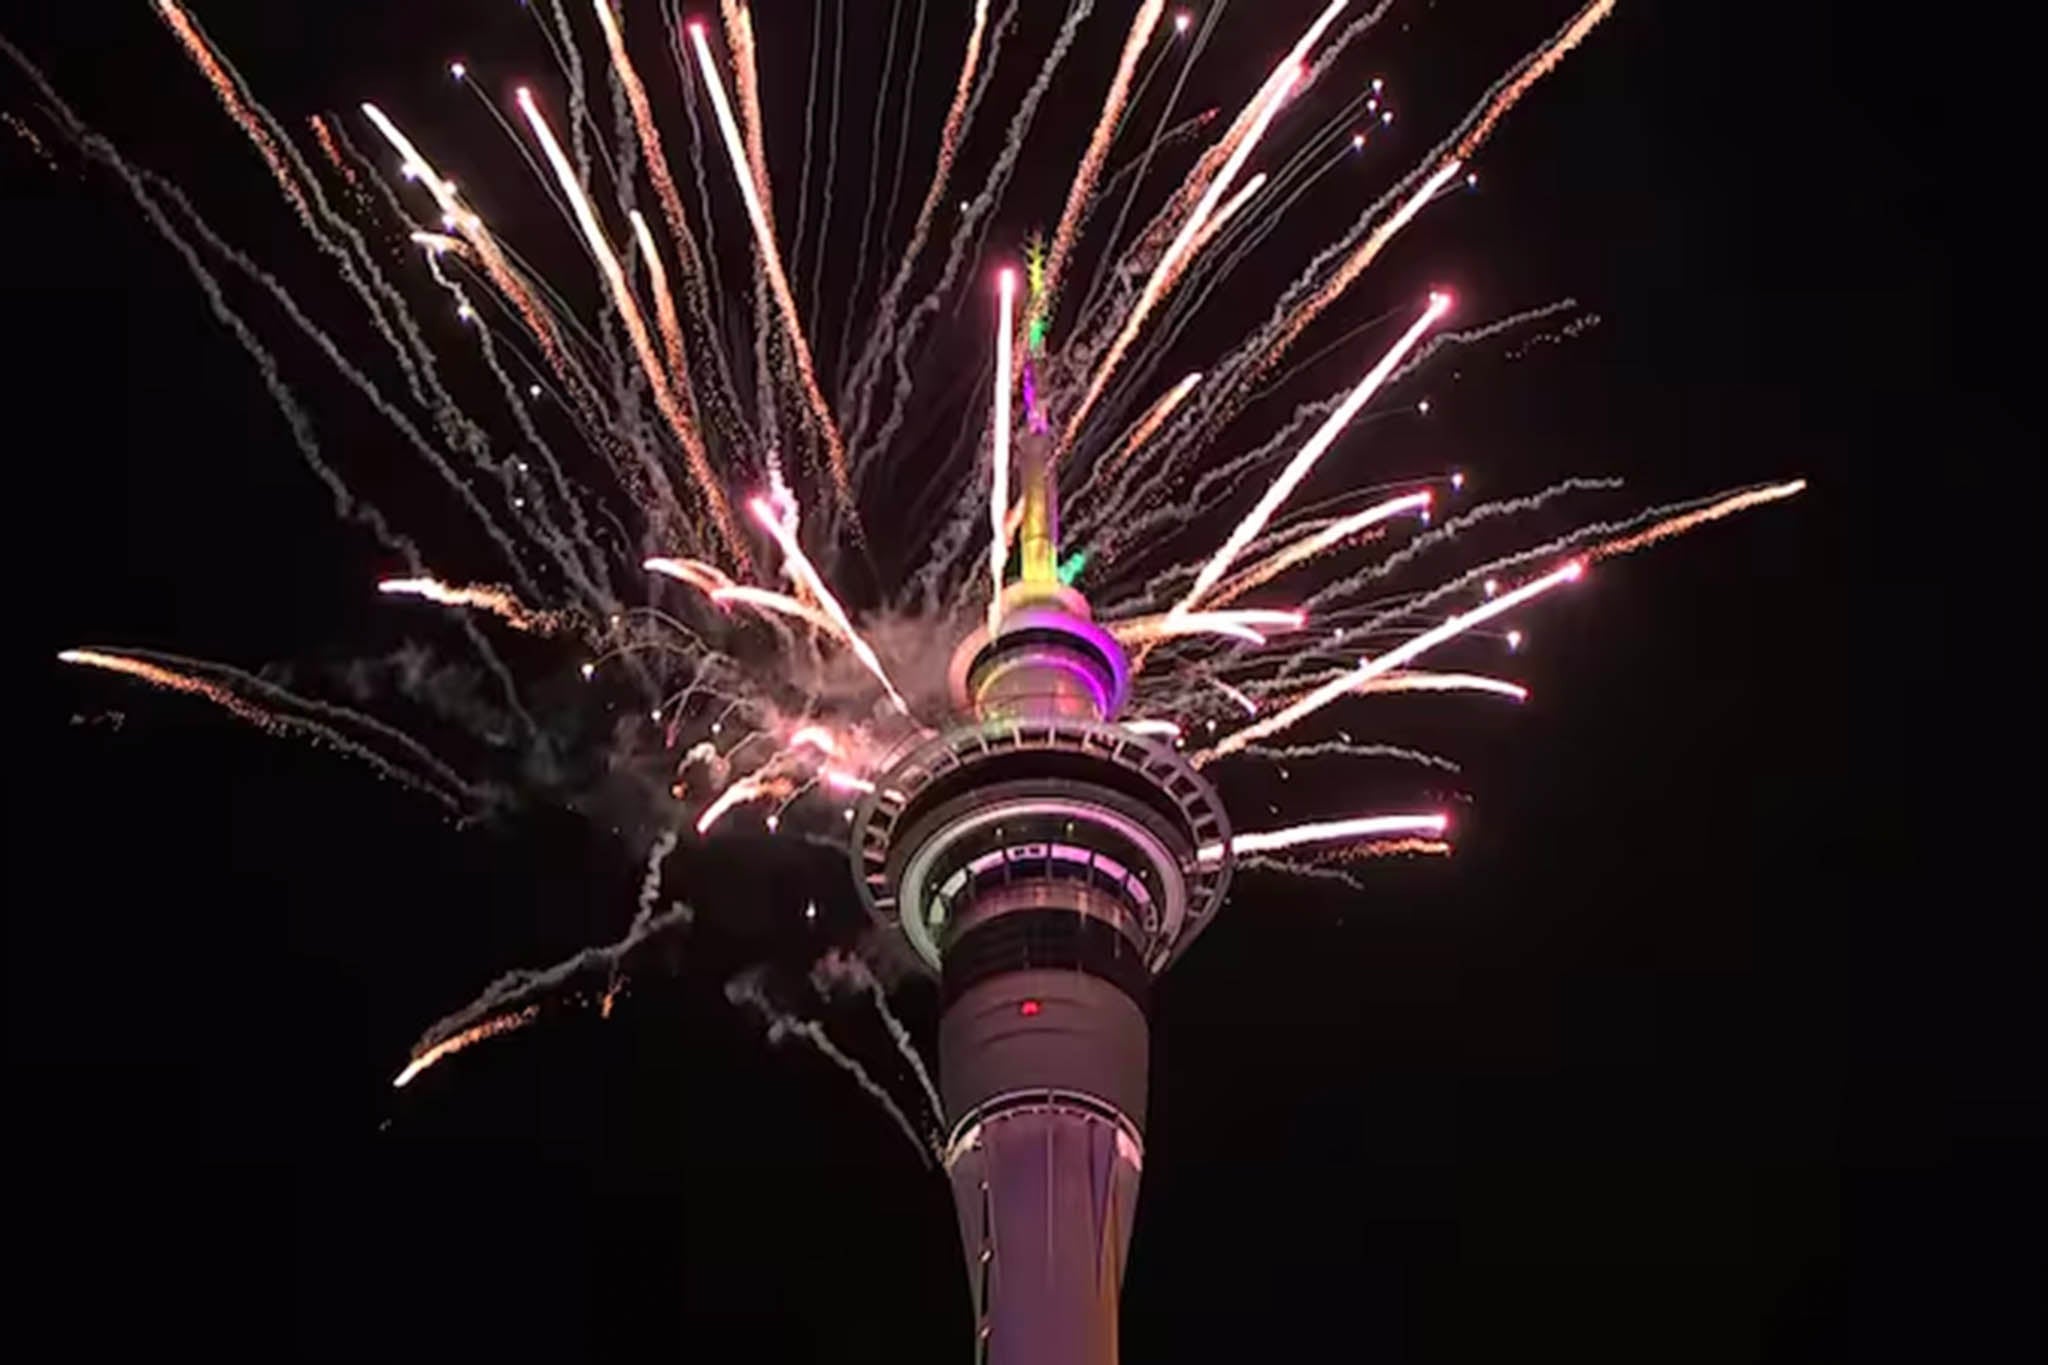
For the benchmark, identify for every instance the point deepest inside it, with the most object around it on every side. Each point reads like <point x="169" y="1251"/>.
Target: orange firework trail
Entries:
<point x="1450" y="159"/>
<point x="781" y="604"/>
<point x="1679" y="525"/>
<point x="491" y="597"/>
<point x="949" y="147"/>
<point x="1394" y="848"/>
<point x="1171" y="264"/>
<point x="1242" y="625"/>
<point x="1444" y="682"/>
<point x="1304" y="460"/>
<point x="746" y="789"/>
<point x="277" y="722"/>
<point x="1532" y="71"/>
<point x="746" y="80"/>
<point x="644" y="124"/>
<point x="459" y="218"/>
<point x="1147" y="425"/>
<point x="1355" y="264"/>
<point x="707" y="577"/>
<point x="805" y="573"/>
<point x="664" y="308"/>
<point x="324" y="135"/>
<point x="1328" y="831"/>
<point x="1083" y="188"/>
<point x="469" y="1037"/>
<point x="665" y="399"/>
<point x="1337" y="532"/>
<point x="1391" y="660"/>
<point x="778" y="282"/>
<point x="229" y="91"/>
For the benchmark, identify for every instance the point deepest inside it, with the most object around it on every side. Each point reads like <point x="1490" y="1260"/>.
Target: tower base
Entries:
<point x="1046" y="1189"/>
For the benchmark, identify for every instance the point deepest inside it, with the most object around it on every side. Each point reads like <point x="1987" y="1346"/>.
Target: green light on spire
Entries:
<point x="1070" y="567"/>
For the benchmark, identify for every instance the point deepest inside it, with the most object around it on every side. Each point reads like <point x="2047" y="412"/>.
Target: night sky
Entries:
<point x="1657" y="1068"/>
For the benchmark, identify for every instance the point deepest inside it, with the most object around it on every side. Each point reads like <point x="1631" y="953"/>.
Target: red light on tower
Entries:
<point x="1028" y="1008"/>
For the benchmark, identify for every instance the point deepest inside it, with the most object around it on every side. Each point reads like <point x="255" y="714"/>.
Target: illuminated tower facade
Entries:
<point x="1045" y="864"/>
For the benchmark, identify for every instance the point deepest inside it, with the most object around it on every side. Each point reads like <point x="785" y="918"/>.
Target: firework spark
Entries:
<point x="770" y="256"/>
<point x="469" y="1037"/>
<point x="491" y="597"/>
<point x="1305" y="459"/>
<point x="1393" y="659"/>
<point x="654" y="384"/>
<point x="1326" y="832"/>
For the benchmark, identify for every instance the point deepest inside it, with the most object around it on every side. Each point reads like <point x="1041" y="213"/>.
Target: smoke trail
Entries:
<point x="519" y="995"/>
<point x="982" y="205"/>
<point x="1161" y="137"/>
<point x="1219" y="480"/>
<point x="650" y="881"/>
<point x="1391" y="660"/>
<point x="1327" y="831"/>
<point x="1314" y="289"/>
<point x="491" y="597"/>
<point x="1173" y="261"/>
<point x="1082" y="191"/>
<point x="1298" y="468"/>
<point x="362" y="382"/>
<point x="903" y="127"/>
<point x="1346" y="749"/>
<point x="1456" y="526"/>
<point x="803" y="189"/>
<point x="273" y="722"/>
<point x="770" y="258"/>
<point x="831" y="150"/>
<point x="1679" y="525"/>
<point x="665" y="400"/>
<point x="867" y="212"/>
<point x="950" y="133"/>
<point x="842" y="969"/>
<point x="745" y="989"/>
<point x="1337" y="532"/>
<point x="469" y="1037"/>
<point x="1144" y="429"/>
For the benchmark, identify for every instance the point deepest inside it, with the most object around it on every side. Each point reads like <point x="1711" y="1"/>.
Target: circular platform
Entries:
<point x="1060" y="799"/>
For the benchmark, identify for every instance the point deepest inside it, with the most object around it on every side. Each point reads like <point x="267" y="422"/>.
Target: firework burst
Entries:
<point x="641" y="480"/>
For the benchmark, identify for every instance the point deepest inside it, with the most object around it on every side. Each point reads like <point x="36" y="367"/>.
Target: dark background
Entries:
<point x="1705" y="1047"/>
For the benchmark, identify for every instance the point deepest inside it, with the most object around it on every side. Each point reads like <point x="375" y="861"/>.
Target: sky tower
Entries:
<point x="1044" y="863"/>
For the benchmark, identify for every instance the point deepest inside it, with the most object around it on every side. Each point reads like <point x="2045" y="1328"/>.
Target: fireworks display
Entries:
<point x="714" y="536"/>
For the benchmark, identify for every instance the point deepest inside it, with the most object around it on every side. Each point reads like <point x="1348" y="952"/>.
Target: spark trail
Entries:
<point x="491" y="597"/>
<point x="176" y="676"/>
<point x="799" y="566"/>
<point x="1298" y="468"/>
<point x="704" y="707"/>
<point x="1328" y="831"/>
<point x="1081" y="192"/>
<point x="842" y="969"/>
<point x="746" y="990"/>
<point x="1392" y="659"/>
<point x="665" y="401"/>
<point x="770" y="257"/>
